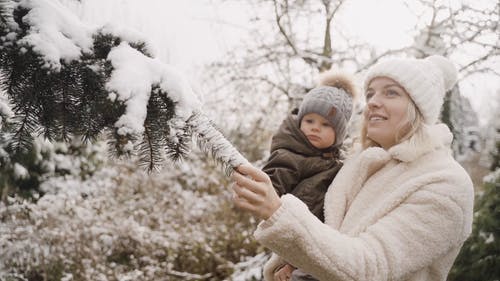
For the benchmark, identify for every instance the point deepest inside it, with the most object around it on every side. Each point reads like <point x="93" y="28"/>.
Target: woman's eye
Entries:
<point x="392" y="93"/>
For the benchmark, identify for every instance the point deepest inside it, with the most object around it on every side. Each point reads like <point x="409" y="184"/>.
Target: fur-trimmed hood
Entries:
<point x="290" y="137"/>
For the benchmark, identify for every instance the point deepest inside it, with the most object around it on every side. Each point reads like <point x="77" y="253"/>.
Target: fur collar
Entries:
<point x="363" y="164"/>
<point x="437" y="136"/>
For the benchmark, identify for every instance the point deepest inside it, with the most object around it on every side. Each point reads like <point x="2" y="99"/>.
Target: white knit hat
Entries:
<point x="425" y="80"/>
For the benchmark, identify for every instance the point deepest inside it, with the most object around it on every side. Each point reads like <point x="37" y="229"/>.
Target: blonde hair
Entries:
<point x="416" y="134"/>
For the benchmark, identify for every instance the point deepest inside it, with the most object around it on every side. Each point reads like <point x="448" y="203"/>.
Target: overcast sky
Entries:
<point x="189" y="33"/>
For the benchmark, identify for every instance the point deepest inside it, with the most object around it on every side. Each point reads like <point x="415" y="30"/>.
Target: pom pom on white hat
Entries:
<point x="425" y="80"/>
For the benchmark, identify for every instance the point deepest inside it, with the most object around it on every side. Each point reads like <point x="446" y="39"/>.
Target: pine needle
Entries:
<point x="212" y="141"/>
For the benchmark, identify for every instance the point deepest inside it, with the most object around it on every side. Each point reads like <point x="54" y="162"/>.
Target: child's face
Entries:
<point x="317" y="130"/>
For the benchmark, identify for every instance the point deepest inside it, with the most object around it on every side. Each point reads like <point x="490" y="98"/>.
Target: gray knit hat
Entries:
<point x="333" y="100"/>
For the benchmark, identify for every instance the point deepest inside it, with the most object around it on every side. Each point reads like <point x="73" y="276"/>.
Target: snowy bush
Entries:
<point x="24" y="172"/>
<point x="251" y="268"/>
<point x="122" y="224"/>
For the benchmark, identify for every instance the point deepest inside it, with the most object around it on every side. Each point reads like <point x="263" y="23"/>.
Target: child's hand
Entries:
<point x="284" y="273"/>
<point x="255" y="192"/>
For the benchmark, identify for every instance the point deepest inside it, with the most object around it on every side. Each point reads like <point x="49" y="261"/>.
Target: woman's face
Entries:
<point x="386" y="111"/>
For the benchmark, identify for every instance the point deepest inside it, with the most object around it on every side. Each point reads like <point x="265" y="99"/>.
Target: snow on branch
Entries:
<point x="5" y="109"/>
<point x="67" y="78"/>
<point x="212" y="141"/>
<point x="132" y="80"/>
<point x="54" y="32"/>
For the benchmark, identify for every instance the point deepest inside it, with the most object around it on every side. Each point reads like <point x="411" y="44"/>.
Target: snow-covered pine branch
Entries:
<point x="212" y="141"/>
<point x="68" y="78"/>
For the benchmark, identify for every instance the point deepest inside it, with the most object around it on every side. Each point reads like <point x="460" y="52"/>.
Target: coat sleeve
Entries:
<point x="283" y="171"/>
<point x="409" y="237"/>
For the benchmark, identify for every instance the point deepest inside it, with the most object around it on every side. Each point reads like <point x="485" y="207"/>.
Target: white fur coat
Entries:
<point x="401" y="214"/>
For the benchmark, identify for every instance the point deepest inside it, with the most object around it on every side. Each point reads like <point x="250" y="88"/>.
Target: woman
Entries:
<point x="399" y="209"/>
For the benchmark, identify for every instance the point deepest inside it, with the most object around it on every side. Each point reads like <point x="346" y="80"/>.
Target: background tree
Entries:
<point x="479" y="258"/>
<point x="292" y="41"/>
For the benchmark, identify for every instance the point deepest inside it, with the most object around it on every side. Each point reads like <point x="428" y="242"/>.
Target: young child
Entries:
<point x="305" y="152"/>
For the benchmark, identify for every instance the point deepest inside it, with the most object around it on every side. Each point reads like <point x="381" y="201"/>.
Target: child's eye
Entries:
<point x="309" y="121"/>
<point x="368" y="95"/>
<point x="325" y="124"/>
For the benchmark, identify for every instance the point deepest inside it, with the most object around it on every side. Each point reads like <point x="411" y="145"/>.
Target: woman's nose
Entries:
<point x="374" y="101"/>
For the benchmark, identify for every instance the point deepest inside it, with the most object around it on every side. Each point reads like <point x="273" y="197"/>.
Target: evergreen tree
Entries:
<point x="71" y="94"/>
<point x="479" y="258"/>
<point x="458" y="115"/>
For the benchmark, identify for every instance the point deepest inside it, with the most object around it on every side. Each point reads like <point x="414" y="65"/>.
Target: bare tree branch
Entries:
<point x="479" y="60"/>
<point x="327" y="42"/>
<point x="278" y="17"/>
<point x="262" y="79"/>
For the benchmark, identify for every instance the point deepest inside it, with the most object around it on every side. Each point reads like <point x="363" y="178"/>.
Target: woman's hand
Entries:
<point x="254" y="192"/>
<point x="284" y="273"/>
